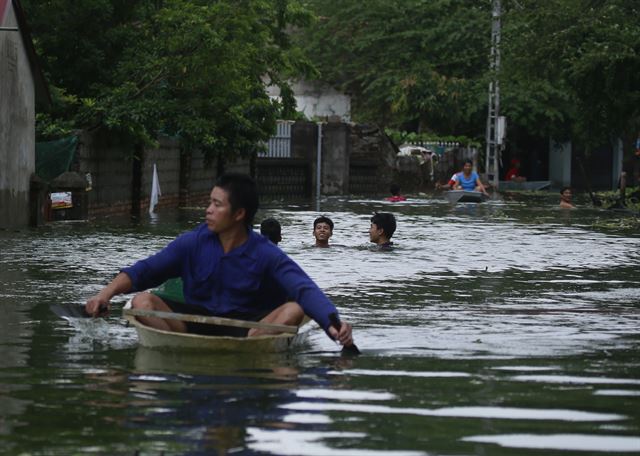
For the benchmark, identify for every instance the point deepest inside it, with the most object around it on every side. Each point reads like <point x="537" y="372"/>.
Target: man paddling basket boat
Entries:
<point x="228" y="271"/>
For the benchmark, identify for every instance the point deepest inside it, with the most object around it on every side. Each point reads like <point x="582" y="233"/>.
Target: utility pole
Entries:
<point x="495" y="123"/>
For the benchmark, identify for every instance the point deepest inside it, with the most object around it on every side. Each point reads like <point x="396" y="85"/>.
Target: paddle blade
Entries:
<point x="346" y="349"/>
<point x="73" y="311"/>
<point x="351" y="350"/>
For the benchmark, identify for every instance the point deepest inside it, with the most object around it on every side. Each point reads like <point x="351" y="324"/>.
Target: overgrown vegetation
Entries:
<point x="194" y="68"/>
<point x="187" y="68"/>
<point x="569" y="69"/>
<point x="613" y="200"/>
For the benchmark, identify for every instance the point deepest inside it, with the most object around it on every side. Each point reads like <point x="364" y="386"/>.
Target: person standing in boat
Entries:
<point x="383" y="225"/>
<point x="322" y="231"/>
<point x="468" y="179"/>
<point x="227" y="270"/>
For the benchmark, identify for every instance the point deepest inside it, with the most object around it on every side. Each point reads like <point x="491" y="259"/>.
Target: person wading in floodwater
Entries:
<point x="322" y="231"/>
<point x="566" y="196"/>
<point x="271" y="229"/>
<point x="383" y="225"/>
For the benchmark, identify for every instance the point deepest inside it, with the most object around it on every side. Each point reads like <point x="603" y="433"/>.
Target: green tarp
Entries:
<point x="54" y="157"/>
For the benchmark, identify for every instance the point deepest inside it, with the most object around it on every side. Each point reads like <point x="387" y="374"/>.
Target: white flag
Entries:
<point x="155" y="190"/>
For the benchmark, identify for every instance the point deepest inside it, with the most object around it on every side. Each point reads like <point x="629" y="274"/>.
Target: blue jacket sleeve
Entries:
<point x="302" y="289"/>
<point x="158" y="268"/>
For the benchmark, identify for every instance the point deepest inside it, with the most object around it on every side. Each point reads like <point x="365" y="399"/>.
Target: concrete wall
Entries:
<point x="372" y="162"/>
<point x="336" y="148"/>
<point x="17" y="126"/>
<point x="203" y="175"/>
<point x="111" y="168"/>
<point x="559" y="163"/>
<point x="356" y="159"/>
<point x="317" y="100"/>
<point x="111" y="165"/>
<point x="304" y="140"/>
<point x="321" y="101"/>
<point x="167" y="160"/>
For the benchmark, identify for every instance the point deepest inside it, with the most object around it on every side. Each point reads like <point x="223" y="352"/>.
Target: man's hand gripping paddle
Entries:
<point x="68" y="310"/>
<point x="337" y="324"/>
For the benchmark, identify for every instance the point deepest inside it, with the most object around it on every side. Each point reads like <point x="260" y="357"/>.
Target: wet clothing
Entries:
<point x="467" y="183"/>
<point x="251" y="279"/>
<point x="395" y="198"/>
<point x="387" y="246"/>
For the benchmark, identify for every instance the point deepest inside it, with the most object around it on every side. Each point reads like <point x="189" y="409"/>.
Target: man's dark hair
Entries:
<point x="562" y="190"/>
<point x="243" y="194"/>
<point x="323" y="219"/>
<point x="394" y="189"/>
<point x="386" y="221"/>
<point x="468" y="160"/>
<point x="270" y="228"/>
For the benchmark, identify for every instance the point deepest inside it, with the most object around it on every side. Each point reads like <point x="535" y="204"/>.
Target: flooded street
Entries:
<point x="502" y="328"/>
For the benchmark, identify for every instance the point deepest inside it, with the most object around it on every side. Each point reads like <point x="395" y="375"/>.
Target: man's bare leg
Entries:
<point x="149" y="301"/>
<point x="289" y="313"/>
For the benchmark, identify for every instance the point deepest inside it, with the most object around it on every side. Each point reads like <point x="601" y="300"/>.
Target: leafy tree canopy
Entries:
<point x="413" y="63"/>
<point x="572" y="67"/>
<point x="569" y="67"/>
<point x="187" y="68"/>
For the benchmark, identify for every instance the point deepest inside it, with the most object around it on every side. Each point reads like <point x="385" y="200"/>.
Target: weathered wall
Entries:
<point x="304" y="140"/>
<point x="110" y="164"/>
<point x="112" y="168"/>
<point x="317" y="100"/>
<point x="17" y="127"/>
<point x="356" y="159"/>
<point x="372" y="161"/>
<point x="203" y="176"/>
<point x="560" y="163"/>
<point x="167" y="160"/>
<point x="336" y="148"/>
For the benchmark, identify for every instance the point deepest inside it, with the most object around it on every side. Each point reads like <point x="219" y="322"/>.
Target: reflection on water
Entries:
<point x="509" y="326"/>
<point x="568" y="442"/>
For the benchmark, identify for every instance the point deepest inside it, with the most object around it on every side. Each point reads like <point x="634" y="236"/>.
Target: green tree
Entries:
<point x="572" y="68"/>
<point x="413" y="63"/>
<point x="186" y="68"/>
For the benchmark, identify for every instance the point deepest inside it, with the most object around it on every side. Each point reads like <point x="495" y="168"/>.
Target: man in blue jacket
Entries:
<point x="227" y="270"/>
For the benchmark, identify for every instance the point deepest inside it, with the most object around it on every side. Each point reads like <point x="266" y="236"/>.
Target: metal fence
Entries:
<point x="279" y="145"/>
<point x="284" y="178"/>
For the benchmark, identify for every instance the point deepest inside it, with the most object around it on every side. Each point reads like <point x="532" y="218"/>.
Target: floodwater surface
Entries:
<point x="506" y="328"/>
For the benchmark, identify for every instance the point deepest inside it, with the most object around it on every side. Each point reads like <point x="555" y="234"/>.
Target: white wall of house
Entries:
<point x="17" y="125"/>
<point x="317" y="100"/>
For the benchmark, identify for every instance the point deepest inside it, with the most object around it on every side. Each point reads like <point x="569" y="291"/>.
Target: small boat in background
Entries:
<point x="524" y="185"/>
<point x="465" y="196"/>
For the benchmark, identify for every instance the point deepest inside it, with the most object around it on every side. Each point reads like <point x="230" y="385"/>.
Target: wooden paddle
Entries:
<point x="337" y="324"/>
<point x="210" y="320"/>
<point x="68" y="310"/>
